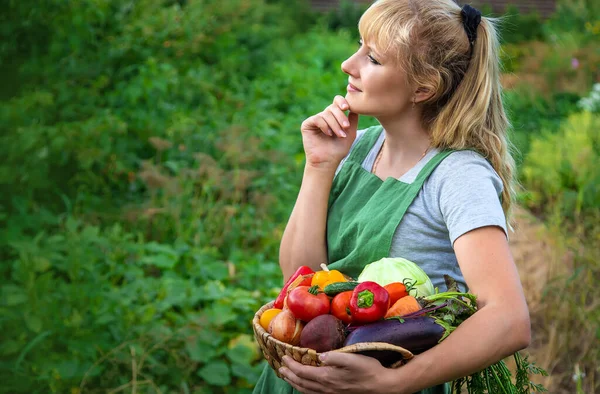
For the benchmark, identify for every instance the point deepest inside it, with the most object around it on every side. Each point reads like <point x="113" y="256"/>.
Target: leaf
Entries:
<point x="240" y="354"/>
<point x="33" y="322"/>
<point x="13" y="295"/>
<point x="68" y="369"/>
<point x="216" y="270"/>
<point x="155" y="247"/>
<point x="201" y="351"/>
<point x="149" y="312"/>
<point x="203" y="390"/>
<point x="243" y="350"/>
<point x="247" y="372"/>
<point x="30" y="346"/>
<point x="160" y="261"/>
<point x="213" y="290"/>
<point x="41" y="264"/>
<point x="8" y="348"/>
<point x="173" y="166"/>
<point x="220" y="314"/>
<point x="216" y="373"/>
<point x="104" y="318"/>
<point x="90" y="232"/>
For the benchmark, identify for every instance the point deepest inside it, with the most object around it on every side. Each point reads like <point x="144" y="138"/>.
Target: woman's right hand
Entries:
<point x="328" y="135"/>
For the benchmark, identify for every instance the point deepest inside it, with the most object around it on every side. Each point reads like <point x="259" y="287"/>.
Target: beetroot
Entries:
<point x="323" y="333"/>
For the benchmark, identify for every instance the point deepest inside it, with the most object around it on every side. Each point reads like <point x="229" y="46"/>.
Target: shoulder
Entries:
<point x="466" y="167"/>
<point x="465" y="159"/>
<point x="467" y="191"/>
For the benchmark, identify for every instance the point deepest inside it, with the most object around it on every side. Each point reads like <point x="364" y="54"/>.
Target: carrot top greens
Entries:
<point x="450" y="309"/>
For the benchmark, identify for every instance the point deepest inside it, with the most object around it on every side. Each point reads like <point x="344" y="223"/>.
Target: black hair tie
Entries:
<point x="471" y="18"/>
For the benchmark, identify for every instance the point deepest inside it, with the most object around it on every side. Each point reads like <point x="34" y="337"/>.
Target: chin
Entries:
<point x="357" y="107"/>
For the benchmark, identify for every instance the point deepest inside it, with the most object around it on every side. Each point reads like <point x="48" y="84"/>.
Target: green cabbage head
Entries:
<point x="397" y="269"/>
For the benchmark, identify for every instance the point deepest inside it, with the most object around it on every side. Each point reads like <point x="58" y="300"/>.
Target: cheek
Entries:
<point x="387" y="92"/>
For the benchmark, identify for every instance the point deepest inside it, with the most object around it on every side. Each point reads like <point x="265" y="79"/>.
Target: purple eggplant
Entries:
<point x="416" y="334"/>
<point x="418" y="331"/>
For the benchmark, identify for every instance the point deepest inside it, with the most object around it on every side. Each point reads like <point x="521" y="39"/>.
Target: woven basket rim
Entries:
<point x="359" y="347"/>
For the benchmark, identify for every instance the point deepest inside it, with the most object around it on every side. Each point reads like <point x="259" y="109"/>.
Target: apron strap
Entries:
<point x="430" y="166"/>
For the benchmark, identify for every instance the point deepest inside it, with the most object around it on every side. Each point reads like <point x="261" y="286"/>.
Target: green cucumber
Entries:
<point x="334" y="289"/>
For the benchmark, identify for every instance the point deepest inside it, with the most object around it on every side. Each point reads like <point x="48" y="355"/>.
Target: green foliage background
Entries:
<point x="150" y="158"/>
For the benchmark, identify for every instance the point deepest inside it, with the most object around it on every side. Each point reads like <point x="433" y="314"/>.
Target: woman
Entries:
<point x="432" y="184"/>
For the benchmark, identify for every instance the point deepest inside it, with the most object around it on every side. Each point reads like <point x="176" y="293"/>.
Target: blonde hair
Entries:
<point x="427" y="40"/>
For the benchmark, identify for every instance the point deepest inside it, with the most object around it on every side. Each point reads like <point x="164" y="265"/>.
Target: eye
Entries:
<point x="374" y="61"/>
<point x="371" y="58"/>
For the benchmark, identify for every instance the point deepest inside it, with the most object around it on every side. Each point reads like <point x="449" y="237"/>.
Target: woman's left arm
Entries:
<point x="498" y="329"/>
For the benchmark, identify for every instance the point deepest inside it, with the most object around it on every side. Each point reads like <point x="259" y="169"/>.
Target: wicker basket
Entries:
<point x="274" y="350"/>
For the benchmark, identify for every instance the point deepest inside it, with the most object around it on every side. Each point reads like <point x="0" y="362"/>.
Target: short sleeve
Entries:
<point x="469" y="192"/>
<point x="359" y="134"/>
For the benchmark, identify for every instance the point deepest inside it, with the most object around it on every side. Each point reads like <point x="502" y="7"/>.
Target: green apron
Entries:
<point x="364" y="212"/>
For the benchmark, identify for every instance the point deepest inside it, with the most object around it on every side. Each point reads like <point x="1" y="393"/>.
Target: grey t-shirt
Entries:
<point x="460" y="195"/>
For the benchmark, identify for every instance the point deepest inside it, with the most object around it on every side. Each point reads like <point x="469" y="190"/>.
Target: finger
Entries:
<point x="340" y="116"/>
<point x="333" y="124"/>
<point x="324" y="126"/>
<point x="306" y="372"/>
<point x="341" y="103"/>
<point x="343" y="360"/>
<point x="315" y="123"/>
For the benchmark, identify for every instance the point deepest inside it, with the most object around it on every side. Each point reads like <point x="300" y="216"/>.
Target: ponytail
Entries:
<point x="474" y="115"/>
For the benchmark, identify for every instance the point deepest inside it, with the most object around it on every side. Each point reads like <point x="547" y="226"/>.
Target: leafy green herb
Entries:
<point x="453" y="307"/>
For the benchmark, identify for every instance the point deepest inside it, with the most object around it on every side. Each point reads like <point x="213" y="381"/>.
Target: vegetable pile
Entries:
<point x="392" y="301"/>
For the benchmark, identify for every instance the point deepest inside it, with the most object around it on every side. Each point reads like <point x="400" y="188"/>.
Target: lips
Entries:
<point x="353" y="88"/>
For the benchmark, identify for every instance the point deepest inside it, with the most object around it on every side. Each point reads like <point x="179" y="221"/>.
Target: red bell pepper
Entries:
<point x="301" y="271"/>
<point x="369" y="303"/>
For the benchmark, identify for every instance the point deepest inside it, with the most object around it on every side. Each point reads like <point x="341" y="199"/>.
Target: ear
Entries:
<point x="422" y="94"/>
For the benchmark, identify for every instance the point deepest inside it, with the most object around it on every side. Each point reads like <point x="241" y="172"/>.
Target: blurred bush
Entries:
<point x="531" y="114"/>
<point x="562" y="170"/>
<point x="346" y="16"/>
<point x="575" y="17"/>
<point x="561" y="175"/>
<point x="518" y="27"/>
<point x="142" y="148"/>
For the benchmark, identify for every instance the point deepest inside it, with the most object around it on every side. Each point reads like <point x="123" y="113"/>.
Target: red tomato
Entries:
<point x="340" y="306"/>
<point x="396" y="291"/>
<point x="306" y="305"/>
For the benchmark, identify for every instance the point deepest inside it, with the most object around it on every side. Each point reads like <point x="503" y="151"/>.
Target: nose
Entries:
<point x="348" y="67"/>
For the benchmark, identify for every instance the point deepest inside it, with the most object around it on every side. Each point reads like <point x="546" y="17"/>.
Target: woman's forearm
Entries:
<point x="491" y="334"/>
<point x="304" y="239"/>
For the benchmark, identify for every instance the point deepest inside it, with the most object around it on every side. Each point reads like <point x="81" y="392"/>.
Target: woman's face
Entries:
<point x="376" y="86"/>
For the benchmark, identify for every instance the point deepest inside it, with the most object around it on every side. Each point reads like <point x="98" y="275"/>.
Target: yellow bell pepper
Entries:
<point x="324" y="278"/>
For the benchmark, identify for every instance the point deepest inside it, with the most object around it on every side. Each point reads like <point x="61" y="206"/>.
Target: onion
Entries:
<point x="286" y="328"/>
